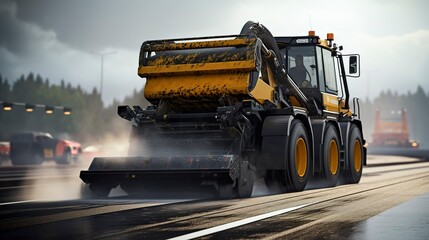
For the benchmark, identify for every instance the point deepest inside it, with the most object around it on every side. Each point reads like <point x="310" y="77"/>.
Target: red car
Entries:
<point x="4" y="150"/>
<point x="36" y="147"/>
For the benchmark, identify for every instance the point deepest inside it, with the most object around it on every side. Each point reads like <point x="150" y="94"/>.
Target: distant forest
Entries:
<point x="91" y="122"/>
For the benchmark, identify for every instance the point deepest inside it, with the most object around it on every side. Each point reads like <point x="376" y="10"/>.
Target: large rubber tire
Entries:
<point x="331" y="157"/>
<point x="298" y="161"/>
<point x="355" y="156"/>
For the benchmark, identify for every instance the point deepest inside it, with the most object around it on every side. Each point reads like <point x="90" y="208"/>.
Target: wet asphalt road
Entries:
<point x="42" y="202"/>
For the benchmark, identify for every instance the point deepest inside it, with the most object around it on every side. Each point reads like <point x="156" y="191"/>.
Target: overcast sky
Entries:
<point x="57" y="38"/>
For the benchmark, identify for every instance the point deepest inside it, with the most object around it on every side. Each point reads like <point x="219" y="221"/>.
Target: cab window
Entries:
<point x="320" y="69"/>
<point x="301" y="66"/>
<point x="330" y="77"/>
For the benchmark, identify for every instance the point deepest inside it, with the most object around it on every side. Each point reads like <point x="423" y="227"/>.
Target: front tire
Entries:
<point x="355" y="156"/>
<point x="298" y="161"/>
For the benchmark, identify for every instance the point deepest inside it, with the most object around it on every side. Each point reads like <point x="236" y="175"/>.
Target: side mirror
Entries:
<point x="353" y="61"/>
<point x="353" y="65"/>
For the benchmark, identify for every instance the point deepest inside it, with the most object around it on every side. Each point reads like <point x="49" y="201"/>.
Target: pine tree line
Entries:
<point x="89" y="121"/>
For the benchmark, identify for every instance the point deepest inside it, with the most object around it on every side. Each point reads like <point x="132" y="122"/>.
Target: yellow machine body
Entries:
<point x="204" y="72"/>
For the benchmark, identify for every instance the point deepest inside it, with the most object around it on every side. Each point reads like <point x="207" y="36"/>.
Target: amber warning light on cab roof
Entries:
<point x="329" y="36"/>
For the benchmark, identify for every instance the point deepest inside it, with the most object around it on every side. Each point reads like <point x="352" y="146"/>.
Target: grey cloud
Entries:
<point x="16" y="36"/>
<point x="55" y="37"/>
<point x="96" y="24"/>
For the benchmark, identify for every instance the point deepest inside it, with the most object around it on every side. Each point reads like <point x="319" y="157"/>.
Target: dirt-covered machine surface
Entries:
<point x="228" y="108"/>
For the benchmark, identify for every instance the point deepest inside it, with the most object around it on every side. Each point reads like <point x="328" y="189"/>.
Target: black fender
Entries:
<point x="275" y="140"/>
<point x="275" y="132"/>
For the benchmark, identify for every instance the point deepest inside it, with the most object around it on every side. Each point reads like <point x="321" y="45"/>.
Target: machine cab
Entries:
<point x="315" y="67"/>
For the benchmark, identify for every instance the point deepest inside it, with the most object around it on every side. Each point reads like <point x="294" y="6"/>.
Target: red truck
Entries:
<point x="392" y="131"/>
<point x="36" y="147"/>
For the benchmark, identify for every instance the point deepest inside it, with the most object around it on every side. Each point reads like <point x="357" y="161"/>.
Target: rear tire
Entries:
<point x="298" y="161"/>
<point x="355" y="156"/>
<point x="331" y="157"/>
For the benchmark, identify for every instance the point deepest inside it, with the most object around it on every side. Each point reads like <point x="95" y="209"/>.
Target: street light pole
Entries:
<point x="101" y="73"/>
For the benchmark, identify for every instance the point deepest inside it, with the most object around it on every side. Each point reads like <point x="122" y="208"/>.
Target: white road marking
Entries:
<point x="18" y="202"/>
<point x="237" y="223"/>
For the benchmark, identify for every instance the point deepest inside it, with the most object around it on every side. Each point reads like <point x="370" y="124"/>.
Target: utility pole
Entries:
<point x="101" y="73"/>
